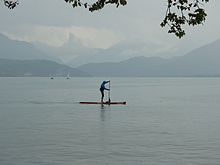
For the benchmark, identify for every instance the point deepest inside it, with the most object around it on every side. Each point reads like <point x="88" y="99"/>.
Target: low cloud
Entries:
<point x="57" y="36"/>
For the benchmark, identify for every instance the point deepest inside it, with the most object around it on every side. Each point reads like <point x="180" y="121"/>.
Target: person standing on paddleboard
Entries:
<point x="102" y="88"/>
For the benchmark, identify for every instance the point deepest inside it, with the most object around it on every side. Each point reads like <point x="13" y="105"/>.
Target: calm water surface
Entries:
<point x="167" y="121"/>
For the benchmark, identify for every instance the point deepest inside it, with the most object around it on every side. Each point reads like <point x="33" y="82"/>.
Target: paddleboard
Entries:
<point x="111" y="103"/>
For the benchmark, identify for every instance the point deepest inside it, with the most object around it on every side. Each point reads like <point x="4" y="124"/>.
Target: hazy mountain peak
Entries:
<point x="3" y="37"/>
<point x="73" y="42"/>
<point x="204" y="61"/>
<point x="20" y="50"/>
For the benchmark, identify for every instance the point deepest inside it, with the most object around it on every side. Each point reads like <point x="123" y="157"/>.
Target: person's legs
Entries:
<point x="102" y="93"/>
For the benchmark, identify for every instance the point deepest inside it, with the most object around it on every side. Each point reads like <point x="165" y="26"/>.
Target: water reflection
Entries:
<point x="103" y="111"/>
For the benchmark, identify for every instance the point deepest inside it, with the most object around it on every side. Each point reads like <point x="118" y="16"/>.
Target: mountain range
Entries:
<point x="21" y="50"/>
<point x="19" y="58"/>
<point x="39" y="68"/>
<point x="74" y="53"/>
<point x="204" y="61"/>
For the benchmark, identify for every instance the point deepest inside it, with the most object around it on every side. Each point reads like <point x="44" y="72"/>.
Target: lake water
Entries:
<point x="167" y="121"/>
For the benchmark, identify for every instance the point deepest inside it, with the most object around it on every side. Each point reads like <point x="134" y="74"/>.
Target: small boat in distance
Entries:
<point x="68" y="76"/>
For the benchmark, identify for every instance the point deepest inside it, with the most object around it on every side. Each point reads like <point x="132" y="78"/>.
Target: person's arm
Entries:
<point x="107" y="89"/>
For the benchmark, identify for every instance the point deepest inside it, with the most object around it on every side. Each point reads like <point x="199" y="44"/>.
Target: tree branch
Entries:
<point x="181" y="12"/>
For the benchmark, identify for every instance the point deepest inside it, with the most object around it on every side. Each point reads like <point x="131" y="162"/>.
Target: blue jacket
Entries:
<point x="102" y="87"/>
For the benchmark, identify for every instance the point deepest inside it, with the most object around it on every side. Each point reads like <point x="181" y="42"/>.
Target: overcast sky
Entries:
<point x="52" y="21"/>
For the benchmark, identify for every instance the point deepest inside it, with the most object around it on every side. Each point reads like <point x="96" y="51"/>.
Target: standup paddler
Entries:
<point x="102" y="88"/>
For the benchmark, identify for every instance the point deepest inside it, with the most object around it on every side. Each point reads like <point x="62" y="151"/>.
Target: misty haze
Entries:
<point x="107" y="87"/>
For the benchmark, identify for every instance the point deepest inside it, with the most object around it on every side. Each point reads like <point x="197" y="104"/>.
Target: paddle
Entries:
<point x="109" y="100"/>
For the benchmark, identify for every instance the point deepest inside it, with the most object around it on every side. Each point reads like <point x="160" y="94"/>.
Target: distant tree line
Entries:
<point x="178" y="12"/>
